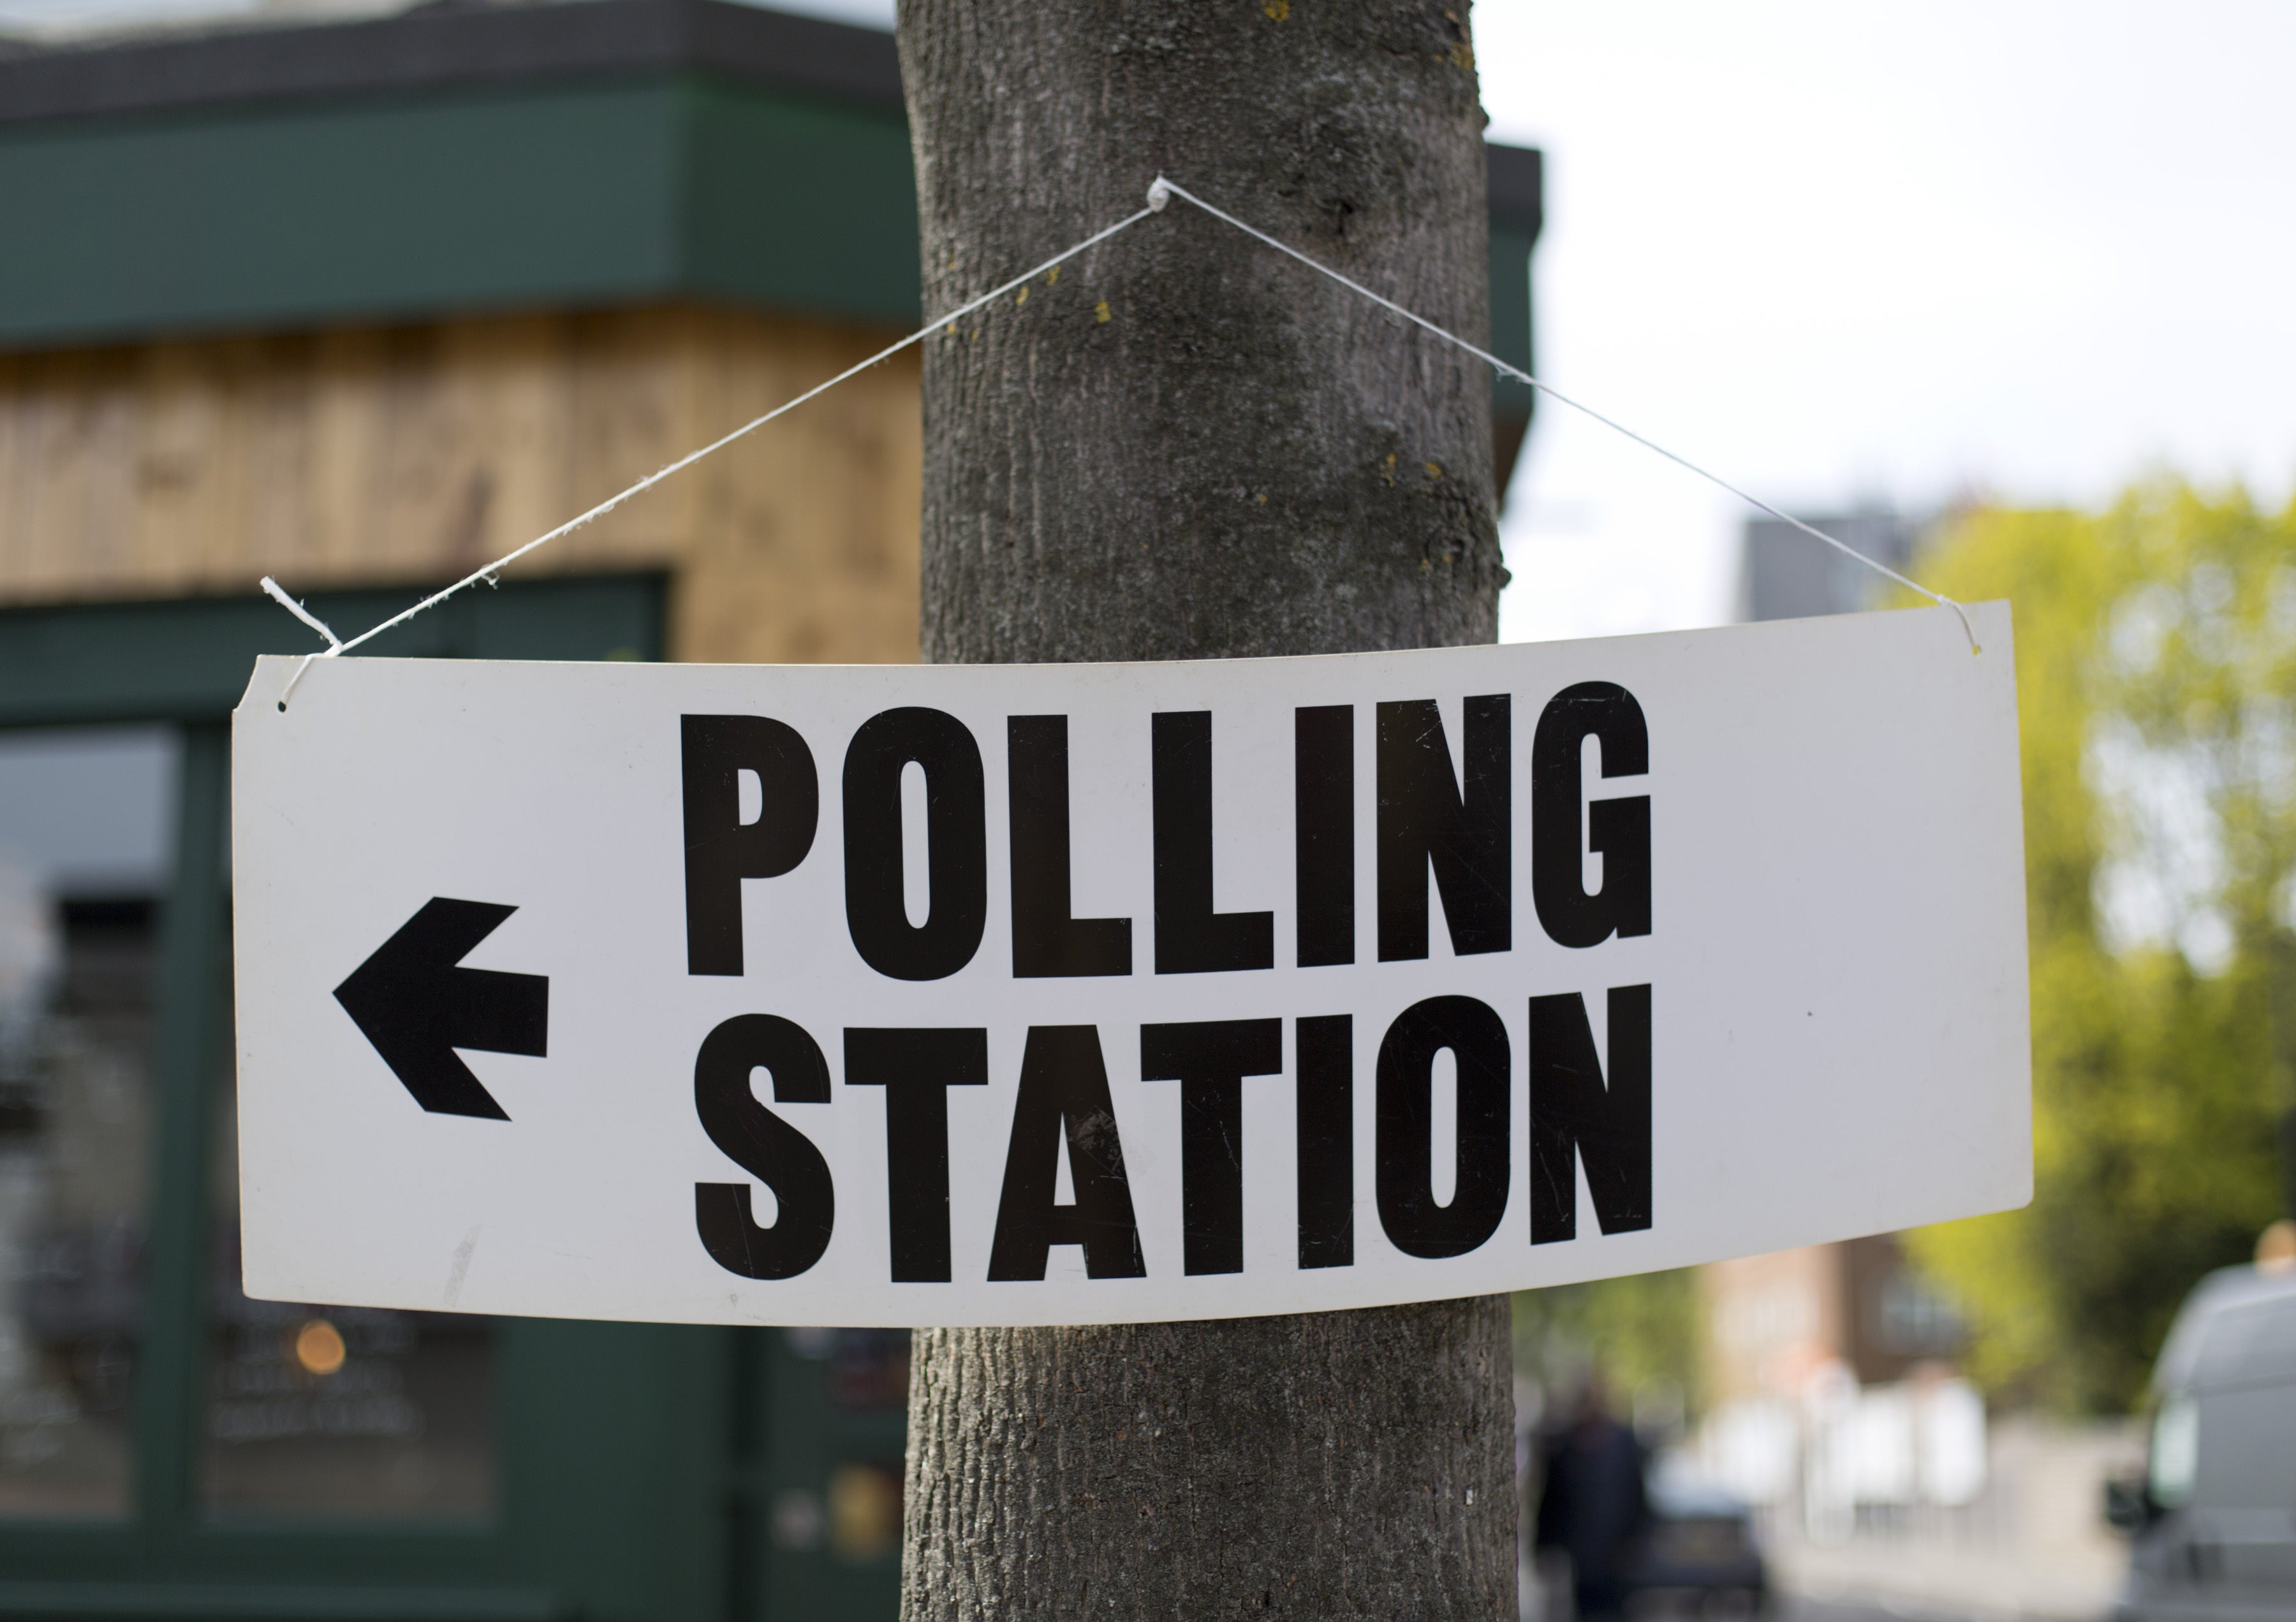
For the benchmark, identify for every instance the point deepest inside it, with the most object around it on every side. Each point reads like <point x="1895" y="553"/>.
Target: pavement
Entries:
<point x="1802" y="1608"/>
<point x="1942" y="1580"/>
<point x="1790" y="1607"/>
<point x="1920" y="1580"/>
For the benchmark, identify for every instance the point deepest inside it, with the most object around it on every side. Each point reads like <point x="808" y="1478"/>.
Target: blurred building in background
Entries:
<point x="1830" y="1385"/>
<point x="363" y="303"/>
<point x="1774" y="1321"/>
<point x="369" y="303"/>
<point x="1786" y="574"/>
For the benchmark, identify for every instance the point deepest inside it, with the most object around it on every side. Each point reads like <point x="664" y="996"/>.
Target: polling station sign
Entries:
<point x="1076" y="994"/>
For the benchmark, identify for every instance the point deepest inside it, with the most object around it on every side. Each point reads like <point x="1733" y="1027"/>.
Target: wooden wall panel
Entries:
<point x="415" y="453"/>
<point x="767" y="518"/>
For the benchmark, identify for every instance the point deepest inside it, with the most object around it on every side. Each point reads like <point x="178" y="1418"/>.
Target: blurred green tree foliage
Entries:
<point x="2156" y="669"/>
<point x="1638" y="1333"/>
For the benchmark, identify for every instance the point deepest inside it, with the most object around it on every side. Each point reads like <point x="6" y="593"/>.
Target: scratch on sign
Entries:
<point x="455" y="1275"/>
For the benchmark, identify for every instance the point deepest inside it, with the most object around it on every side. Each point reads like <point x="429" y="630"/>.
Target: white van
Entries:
<point x="2214" y="1522"/>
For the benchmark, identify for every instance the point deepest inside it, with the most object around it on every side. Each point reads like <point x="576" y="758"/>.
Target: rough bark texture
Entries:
<point x="1187" y="446"/>
<point x="1242" y="457"/>
<point x="1353" y="1464"/>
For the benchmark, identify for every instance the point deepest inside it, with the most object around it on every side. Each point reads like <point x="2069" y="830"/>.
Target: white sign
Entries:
<point x="1056" y="995"/>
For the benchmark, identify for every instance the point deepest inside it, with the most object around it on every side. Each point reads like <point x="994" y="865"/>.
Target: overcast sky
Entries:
<point x="1841" y="251"/>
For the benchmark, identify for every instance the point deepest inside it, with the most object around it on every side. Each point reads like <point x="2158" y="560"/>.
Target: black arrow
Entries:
<point x="417" y="1007"/>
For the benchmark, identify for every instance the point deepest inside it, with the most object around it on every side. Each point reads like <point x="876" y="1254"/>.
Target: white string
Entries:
<point x="1160" y="191"/>
<point x="336" y="649"/>
<point x="1162" y="188"/>
<point x="301" y="612"/>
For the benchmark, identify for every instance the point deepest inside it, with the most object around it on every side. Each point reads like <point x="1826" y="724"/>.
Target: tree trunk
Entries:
<point x="1185" y="445"/>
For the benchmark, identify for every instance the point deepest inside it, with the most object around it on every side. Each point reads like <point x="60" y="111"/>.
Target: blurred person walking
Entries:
<point x="1592" y="1503"/>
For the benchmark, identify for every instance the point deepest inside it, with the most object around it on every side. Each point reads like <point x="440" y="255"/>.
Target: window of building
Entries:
<point x="85" y="816"/>
<point x="342" y="1413"/>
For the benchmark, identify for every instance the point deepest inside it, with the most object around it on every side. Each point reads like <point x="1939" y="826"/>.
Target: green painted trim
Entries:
<point x="262" y="1602"/>
<point x="792" y="1440"/>
<point x="1510" y="318"/>
<point x="489" y="199"/>
<point x="189" y="658"/>
<point x="189" y="1033"/>
<point x="800" y="205"/>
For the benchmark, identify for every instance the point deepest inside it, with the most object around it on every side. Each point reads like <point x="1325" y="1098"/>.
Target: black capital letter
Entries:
<point x="1571" y="1112"/>
<point x="1326" y="1058"/>
<point x="1046" y="942"/>
<point x="1406" y="1110"/>
<point x="1191" y="939"/>
<point x="765" y="1146"/>
<point x="1620" y="828"/>
<point x="1064" y="1089"/>
<point x="917" y="1069"/>
<point x="721" y="849"/>
<point x="1426" y="820"/>
<point x="1323" y="831"/>
<point x="1209" y="1060"/>
<point x="956" y="844"/>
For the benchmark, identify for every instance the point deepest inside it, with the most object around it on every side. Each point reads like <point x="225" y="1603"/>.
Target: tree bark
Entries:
<point x="1185" y="446"/>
